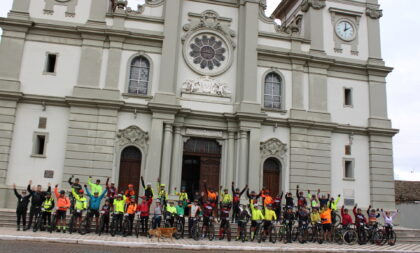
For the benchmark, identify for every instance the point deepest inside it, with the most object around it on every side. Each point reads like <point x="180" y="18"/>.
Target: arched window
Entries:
<point x="273" y="91"/>
<point x="139" y="76"/>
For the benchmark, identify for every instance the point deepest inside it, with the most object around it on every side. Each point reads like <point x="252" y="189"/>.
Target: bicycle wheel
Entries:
<point x="71" y="224"/>
<point x="281" y="233"/>
<point x="211" y="232"/>
<point x="101" y="225"/>
<point x="84" y="226"/>
<point x="301" y="235"/>
<point x="195" y="231"/>
<point x="338" y="236"/>
<point x="362" y="237"/>
<point x="319" y="237"/>
<point x="260" y="235"/>
<point x="53" y="223"/>
<point x="138" y="228"/>
<point x="37" y="224"/>
<point x="273" y="234"/>
<point x="113" y="228"/>
<point x="350" y="237"/>
<point x="125" y="227"/>
<point x="295" y="232"/>
<point x="229" y="233"/>
<point x="392" y="238"/>
<point x="310" y="234"/>
<point x="179" y="229"/>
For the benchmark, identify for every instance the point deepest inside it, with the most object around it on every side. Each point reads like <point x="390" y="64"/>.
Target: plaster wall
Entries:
<point x="36" y="10"/>
<point x="358" y="188"/>
<point x="33" y="78"/>
<point x="22" y="166"/>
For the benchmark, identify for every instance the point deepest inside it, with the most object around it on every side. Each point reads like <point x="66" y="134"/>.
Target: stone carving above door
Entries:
<point x="206" y="85"/>
<point x="133" y="135"/>
<point x="71" y="7"/>
<point x="273" y="148"/>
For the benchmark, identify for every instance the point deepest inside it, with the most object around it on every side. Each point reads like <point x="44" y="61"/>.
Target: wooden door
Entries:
<point x="130" y="167"/>
<point x="209" y="171"/>
<point x="271" y="177"/>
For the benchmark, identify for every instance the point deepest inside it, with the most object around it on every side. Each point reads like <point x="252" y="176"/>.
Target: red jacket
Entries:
<point x="345" y="218"/>
<point x="144" y="207"/>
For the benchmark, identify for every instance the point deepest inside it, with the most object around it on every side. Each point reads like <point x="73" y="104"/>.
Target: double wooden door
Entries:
<point x="271" y="176"/>
<point x="130" y="167"/>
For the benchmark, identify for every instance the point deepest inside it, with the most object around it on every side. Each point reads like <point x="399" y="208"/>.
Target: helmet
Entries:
<point x="81" y="191"/>
<point x="162" y="185"/>
<point x="133" y="197"/>
<point x="119" y="196"/>
<point x="158" y="201"/>
<point x="130" y="186"/>
<point x="62" y="192"/>
<point x="269" y="205"/>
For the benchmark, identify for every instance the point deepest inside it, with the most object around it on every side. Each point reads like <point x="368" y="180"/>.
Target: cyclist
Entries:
<point x="148" y="191"/>
<point x="180" y="212"/>
<point x="130" y="192"/>
<point x="256" y="217"/>
<point x="315" y="217"/>
<point x="242" y="218"/>
<point x="323" y="200"/>
<point x="94" y="187"/>
<point x="131" y="209"/>
<point x="277" y="205"/>
<point x="22" y="207"/>
<point x="162" y="194"/>
<point x="388" y="219"/>
<point x="193" y="214"/>
<point x="38" y="197"/>
<point x="144" y="209"/>
<point x="237" y="194"/>
<point x="301" y="199"/>
<point x="157" y="215"/>
<point x="253" y="197"/>
<point x="111" y="191"/>
<point x="170" y="213"/>
<point x="333" y="206"/>
<point x="183" y="195"/>
<point x="80" y="205"/>
<point x="313" y="200"/>
<point x="346" y="219"/>
<point x="226" y="198"/>
<point x="326" y="220"/>
<point x="95" y="204"/>
<point x="359" y="217"/>
<point x="289" y="200"/>
<point x="207" y="215"/>
<point x="199" y="197"/>
<point x="63" y="203"/>
<point x="224" y="217"/>
<point x="106" y="209"/>
<point x="267" y="199"/>
<point x="77" y="187"/>
<point x="372" y="216"/>
<point x="269" y="217"/>
<point x="47" y="208"/>
<point x="302" y="216"/>
<point x="119" y="204"/>
<point x="288" y="219"/>
<point x="211" y="197"/>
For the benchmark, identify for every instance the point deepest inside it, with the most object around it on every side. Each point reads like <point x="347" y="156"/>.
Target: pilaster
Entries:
<point x="114" y="62"/>
<point x="378" y="113"/>
<point x="297" y="87"/>
<point x="20" y="9"/>
<point x="170" y="53"/>
<point x="98" y="10"/>
<point x="373" y="14"/>
<point x="318" y="90"/>
<point x="254" y="158"/>
<point x="231" y="158"/>
<point x="177" y="153"/>
<point x="382" y="187"/>
<point x="166" y="155"/>
<point x="314" y="24"/>
<point x="243" y="158"/>
<point x="247" y="58"/>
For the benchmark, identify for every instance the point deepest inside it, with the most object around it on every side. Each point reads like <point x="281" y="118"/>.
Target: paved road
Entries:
<point x="41" y="247"/>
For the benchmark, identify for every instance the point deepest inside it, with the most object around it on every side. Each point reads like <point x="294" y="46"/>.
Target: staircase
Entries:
<point x="404" y="235"/>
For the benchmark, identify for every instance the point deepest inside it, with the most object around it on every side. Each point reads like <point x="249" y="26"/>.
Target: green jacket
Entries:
<point x="333" y="205"/>
<point x="81" y="202"/>
<point x="48" y="205"/>
<point x="94" y="187"/>
<point x="256" y="214"/>
<point x="161" y="193"/>
<point x="119" y="205"/>
<point x="180" y="210"/>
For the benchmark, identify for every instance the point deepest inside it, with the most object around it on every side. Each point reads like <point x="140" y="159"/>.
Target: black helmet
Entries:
<point x="62" y="192"/>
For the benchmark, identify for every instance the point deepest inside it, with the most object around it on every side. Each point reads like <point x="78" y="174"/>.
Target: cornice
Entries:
<point x="282" y="36"/>
<point x="150" y="19"/>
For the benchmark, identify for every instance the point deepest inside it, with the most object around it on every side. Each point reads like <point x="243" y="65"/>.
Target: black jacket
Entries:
<point x="22" y="204"/>
<point x="77" y="187"/>
<point x="37" y="197"/>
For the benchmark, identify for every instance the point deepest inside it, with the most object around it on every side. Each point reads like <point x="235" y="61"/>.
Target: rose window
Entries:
<point x="208" y="52"/>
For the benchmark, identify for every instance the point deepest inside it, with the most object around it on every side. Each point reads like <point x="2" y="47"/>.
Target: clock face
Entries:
<point x="345" y="30"/>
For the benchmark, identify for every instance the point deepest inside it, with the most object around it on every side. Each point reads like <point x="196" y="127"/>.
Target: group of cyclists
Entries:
<point x="313" y="217"/>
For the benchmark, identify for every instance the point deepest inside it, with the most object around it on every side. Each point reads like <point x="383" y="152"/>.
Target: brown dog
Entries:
<point x="162" y="232"/>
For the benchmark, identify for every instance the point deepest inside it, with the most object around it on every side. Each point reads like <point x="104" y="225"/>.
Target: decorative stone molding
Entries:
<point x="209" y="19"/>
<point x="374" y="13"/>
<point x="269" y="20"/>
<point x="273" y="148"/>
<point x="206" y="85"/>
<point x="338" y="15"/>
<point x="133" y="135"/>
<point x="121" y="8"/>
<point x="316" y="4"/>
<point x="154" y="3"/>
<point x="293" y="28"/>
<point x="71" y="7"/>
<point x="204" y="133"/>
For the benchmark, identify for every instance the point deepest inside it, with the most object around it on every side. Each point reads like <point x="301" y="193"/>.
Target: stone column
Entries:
<point x="20" y="9"/>
<point x="231" y="158"/>
<point x="314" y="25"/>
<point x="247" y="57"/>
<point x="90" y="62"/>
<point x="114" y="63"/>
<point x="377" y="102"/>
<point x="254" y="166"/>
<point x="243" y="158"/>
<point x="170" y="53"/>
<point x="177" y="152"/>
<point x="98" y="10"/>
<point x="166" y="155"/>
<point x="373" y="14"/>
<point x="154" y="153"/>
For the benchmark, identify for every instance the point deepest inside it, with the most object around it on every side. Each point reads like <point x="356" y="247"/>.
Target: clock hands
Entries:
<point x="345" y="27"/>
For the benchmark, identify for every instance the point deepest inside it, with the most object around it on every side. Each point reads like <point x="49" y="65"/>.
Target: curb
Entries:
<point x="186" y="247"/>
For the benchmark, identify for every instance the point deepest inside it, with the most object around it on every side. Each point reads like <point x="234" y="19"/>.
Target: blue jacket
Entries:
<point x="95" y="202"/>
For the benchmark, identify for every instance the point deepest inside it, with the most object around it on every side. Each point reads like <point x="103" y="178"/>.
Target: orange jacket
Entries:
<point x="131" y="208"/>
<point x="63" y="203"/>
<point x="267" y="199"/>
<point x="326" y="216"/>
<point x="128" y="194"/>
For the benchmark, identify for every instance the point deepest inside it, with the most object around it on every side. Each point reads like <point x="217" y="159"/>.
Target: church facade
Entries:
<point x="189" y="91"/>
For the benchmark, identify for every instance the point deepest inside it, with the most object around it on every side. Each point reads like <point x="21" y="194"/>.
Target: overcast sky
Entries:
<point x="400" y="48"/>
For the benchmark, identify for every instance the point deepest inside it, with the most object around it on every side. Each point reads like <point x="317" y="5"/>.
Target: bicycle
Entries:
<point x="101" y="223"/>
<point x="270" y="231"/>
<point x="372" y="230"/>
<point x="285" y="231"/>
<point x="302" y="235"/>
<point x="126" y="225"/>
<point x="113" y="228"/>
<point x="385" y="235"/>
<point x="226" y="230"/>
<point x="210" y="231"/>
<point x="362" y="234"/>
<point x="179" y="225"/>
<point x="73" y="220"/>
<point x="39" y="221"/>
<point x="315" y="233"/>
<point x="337" y="234"/>
<point x="54" y="220"/>
<point x="169" y="219"/>
<point x="350" y="235"/>
<point x="195" y="228"/>
<point x="336" y="218"/>
<point x="242" y="227"/>
<point x="256" y="230"/>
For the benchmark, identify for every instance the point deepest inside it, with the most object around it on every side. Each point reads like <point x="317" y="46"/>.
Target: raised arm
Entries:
<point x="90" y="182"/>
<point x="70" y="182"/>
<point x="49" y="187"/>
<point x="247" y="193"/>
<point x="103" y="194"/>
<point x="233" y="187"/>
<point x="297" y="191"/>
<point x="16" y="193"/>
<point x="56" y="191"/>
<point x="368" y="211"/>
<point x="106" y="183"/>
<point x="142" y="182"/>
<point x="243" y="190"/>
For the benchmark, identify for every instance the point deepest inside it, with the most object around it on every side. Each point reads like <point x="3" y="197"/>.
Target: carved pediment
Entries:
<point x="133" y="135"/>
<point x="207" y="86"/>
<point x="273" y="147"/>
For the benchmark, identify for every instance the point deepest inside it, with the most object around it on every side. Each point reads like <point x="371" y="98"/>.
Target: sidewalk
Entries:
<point x="188" y="244"/>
